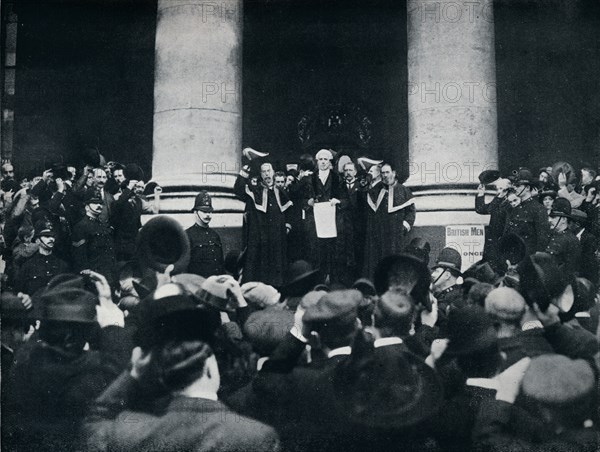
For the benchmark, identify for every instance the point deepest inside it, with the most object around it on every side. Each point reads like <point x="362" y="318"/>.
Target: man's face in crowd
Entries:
<point x="267" y="173"/>
<point x="279" y="181"/>
<point x="204" y="217"/>
<point x="543" y="177"/>
<point x="34" y="201"/>
<point x="586" y="177"/>
<point x="8" y="171"/>
<point x="100" y="177"/>
<point x="138" y="187"/>
<point x="47" y="242"/>
<point x="119" y="176"/>
<point x="375" y="172"/>
<point x="388" y="176"/>
<point x="349" y="172"/>
<point x="323" y="163"/>
<point x="289" y="180"/>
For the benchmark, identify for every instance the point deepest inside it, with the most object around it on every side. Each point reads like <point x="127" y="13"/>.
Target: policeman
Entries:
<point x="206" y="249"/>
<point x="563" y="244"/>
<point x="40" y="268"/>
<point x="444" y="277"/>
<point x="93" y="246"/>
<point x="529" y="220"/>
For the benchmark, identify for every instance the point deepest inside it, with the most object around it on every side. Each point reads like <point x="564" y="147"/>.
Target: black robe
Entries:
<point x="386" y="231"/>
<point x="266" y="250"/>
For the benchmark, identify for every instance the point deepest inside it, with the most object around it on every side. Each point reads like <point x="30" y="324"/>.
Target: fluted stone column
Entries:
<point x="198" y="104"/>
<point x="451" y="106"/>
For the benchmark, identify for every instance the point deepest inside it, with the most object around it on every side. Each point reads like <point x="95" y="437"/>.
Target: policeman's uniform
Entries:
<point x="206" y="257"/>
<point x="93" y="246"/>
<point x="529" y="220"/>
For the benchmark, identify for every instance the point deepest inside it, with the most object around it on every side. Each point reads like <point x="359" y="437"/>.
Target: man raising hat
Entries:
<point x="206" y="257"/>
<point x="563" y="244"/>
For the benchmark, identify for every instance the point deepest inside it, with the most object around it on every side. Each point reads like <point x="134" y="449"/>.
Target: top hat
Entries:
<point x="488" y="176"/>
<point x="412" y="272"/>
<point x="203" y="202"/>
<point x="419" y="248"/>
<point x="512" y="248"/>
<point x="449" y="259"/>
<point x="301" y="278"/>
<point x="482" y="271"/>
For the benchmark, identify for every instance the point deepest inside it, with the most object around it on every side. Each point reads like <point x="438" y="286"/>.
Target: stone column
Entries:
<point x="198" y="104"/>
<point x="451" y="106"/>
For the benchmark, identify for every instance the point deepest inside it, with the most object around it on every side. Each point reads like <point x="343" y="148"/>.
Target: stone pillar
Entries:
<point x="198" y="104"/>
<point x="451" y="106"/>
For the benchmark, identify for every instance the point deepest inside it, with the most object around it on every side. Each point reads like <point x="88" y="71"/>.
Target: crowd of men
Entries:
<point x="122" y="337"/>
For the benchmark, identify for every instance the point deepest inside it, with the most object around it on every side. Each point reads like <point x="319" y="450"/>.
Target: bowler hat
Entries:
<point x="541" y="279"/>
<point x="450" y="259"/>
<point x="561" y="208"/>
<point x="133" y="171"/>
<point x="470" y="330"/>
<point x="549" y="190"/>
<point x="64" y="303"/>
<point x="365" y="286"/>
<point x="403" y="270"/>
<point x="419" y="248"/>
<point x="203" y="202"/>
<point x="172" y="312"/>
<point x="301" y="278"/>
<point x="488" y="176"/>
<point x="162" y="241"/>
<point x="482" y="271"/>
<point x="385" y="388"/>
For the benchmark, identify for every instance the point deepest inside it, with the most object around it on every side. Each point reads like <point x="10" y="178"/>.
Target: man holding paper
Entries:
<point x="390" y="216"/>
<point x="323" y="193"/>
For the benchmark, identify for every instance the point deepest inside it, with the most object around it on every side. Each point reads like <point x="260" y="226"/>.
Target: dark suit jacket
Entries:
<point x="188" y="424"/>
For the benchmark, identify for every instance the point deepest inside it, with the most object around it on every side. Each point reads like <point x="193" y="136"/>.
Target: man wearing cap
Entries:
<point x="57" y="376"/>
<point x="563" y="244"/>
<point x="589" y="267"/>
<point x="267" y="223"/>
<point x="390" y="216"/>
<point x="299" y="400"/>
<point x="40" y="268"/>
<point x="529" y="220"/>
<point x="497" y="209"/>
<point x="206" y="257"/>
<point x="444" y="276"/>
<point x="323" y="186"/>
<point x="561" y="395"/>
<point x="93" y="246"/>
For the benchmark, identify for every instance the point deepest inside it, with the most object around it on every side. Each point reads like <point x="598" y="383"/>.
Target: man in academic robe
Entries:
<point x="266" y="250"/>
<point x="390" y="216"/>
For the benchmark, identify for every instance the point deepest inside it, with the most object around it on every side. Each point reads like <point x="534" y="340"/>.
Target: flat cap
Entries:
<point x="340" y="306"/>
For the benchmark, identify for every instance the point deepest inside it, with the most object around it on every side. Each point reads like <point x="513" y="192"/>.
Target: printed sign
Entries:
<point x="468" y="240"/>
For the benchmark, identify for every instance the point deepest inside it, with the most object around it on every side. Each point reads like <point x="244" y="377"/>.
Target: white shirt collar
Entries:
<point x="486" y="383"/>
<point x="339" y="351"/>
<point x="579" y="234"/>
<point x="382" y="342"/>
